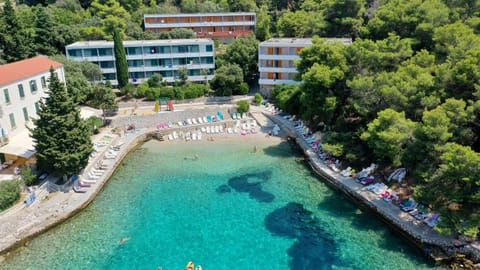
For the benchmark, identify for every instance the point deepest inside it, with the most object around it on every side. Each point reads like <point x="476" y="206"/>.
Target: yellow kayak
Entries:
<point x="189" y="266"/>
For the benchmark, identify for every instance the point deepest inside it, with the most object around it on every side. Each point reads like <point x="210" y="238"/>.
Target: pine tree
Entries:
<point x="120" y="59"/>
<point x="44" y="33"/>
<point x="61" y="136"/>
<point x="15" y="41"/>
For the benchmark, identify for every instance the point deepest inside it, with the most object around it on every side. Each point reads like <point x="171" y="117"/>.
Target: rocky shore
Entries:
<point x="440" y="248"/>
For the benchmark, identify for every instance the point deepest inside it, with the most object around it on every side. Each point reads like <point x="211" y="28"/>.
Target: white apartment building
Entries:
<point x="22" y="84"/>
<point x="146" y="57"/>
<point x="276" y="60"/>
<point x="223" y="26"/>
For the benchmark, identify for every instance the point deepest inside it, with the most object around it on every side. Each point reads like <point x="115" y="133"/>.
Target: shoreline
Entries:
<point x="438" y="247"/>
<point x="21" y="223"/>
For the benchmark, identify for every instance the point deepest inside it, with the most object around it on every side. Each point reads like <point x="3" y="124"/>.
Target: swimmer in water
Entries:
<point x="123" y="240"/>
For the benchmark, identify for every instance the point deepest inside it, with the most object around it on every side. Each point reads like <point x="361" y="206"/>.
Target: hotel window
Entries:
<point x="135" y="63"/>
<point x="7" y="96"/>
<point x="164" y="49"/>
<point x="33" y="86"/>
<point x="166" y="62"/>
<point x="193" y="48"/>
<point x="179" y="61"/>
<point x="37" y="107"/>
<point x="106" y="64"/>
<point x="105" y="52"/>
<point x="44" y="82"/>
<point x="166" y="73"/>
<point x="193" y="72"/>
<point x="75" y="53"/>
<point x="21" y="93"/>
<point x="90" y="52"/>
<point x="151" y="62"/>
<point x="25" y="114"/>
<point x="209" y="48"/>
<point x="179" y="49"/>
<point x="207" y="60"/>
<point x="134" y="51"/>
<point x="12" y="121"/>
<point x="109" y="76"/>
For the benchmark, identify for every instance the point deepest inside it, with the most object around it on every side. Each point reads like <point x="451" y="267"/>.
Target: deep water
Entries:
<point x="229" y="209"/>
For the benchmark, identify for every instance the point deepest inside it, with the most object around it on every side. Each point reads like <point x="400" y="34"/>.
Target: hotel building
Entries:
<point x="23" y="85"/>
<point x="146" y="57"/>
<point x="223" y="26"/>
<point x="276" y="60"/>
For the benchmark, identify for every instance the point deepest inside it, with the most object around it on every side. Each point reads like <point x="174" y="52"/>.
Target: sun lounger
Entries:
<point x="205" y="120"/>
<point x="194" y="121"/>
<point x="432" y="220"/>
<point x="170" y="137"/>
<point x="78" y="189"/>
<point x="200" y="121"/>
<point x="89" y="181"/>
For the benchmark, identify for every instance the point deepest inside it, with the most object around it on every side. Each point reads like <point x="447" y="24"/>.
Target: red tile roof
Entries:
<point x="16" y="71"/>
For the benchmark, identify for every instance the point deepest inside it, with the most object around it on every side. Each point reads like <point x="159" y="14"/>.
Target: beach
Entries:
<point x="21" y="222"/>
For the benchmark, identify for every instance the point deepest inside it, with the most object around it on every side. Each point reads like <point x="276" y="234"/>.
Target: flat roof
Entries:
<point x="17" y="71"/>
<point x="105" y="43"/>
<point x="300" y="41"/>
<point x="198" y="14"/>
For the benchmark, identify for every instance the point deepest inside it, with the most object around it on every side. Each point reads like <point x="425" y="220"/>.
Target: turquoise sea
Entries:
<point x="231" y="208"/>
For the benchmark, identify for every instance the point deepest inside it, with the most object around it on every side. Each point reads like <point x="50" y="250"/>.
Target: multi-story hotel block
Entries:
<point x="23" y="85"/>
<point x="224" y="26"/>
<point x="146" y="57"/>
<point x="276" y="60"/>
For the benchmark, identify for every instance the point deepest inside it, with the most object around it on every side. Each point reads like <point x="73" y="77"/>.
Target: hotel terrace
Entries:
<point x="146" y="57"/>
<point x="23" y="85"/>
<point x="276" y="60"/>
<point x="222" y="26"/>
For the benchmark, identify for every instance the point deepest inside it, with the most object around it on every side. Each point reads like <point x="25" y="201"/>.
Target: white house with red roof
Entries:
<point x="22" y="85"/>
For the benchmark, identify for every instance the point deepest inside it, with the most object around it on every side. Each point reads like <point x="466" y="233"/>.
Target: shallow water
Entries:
<point x="230" y="208"/>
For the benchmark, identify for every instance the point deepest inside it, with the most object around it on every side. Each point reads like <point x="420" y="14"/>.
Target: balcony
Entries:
<point x="275" y="82"/>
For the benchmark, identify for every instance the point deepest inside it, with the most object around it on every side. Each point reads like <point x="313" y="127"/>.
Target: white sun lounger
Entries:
<point x="194" y="121"/>
<point x="200" y="121"/>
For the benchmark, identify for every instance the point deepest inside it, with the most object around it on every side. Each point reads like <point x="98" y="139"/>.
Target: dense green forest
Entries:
<point x="405" y="93"/>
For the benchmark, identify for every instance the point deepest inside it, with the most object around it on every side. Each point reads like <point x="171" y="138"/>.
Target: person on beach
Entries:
<point x="195" y="156"/>
<point x="255" y="149"/>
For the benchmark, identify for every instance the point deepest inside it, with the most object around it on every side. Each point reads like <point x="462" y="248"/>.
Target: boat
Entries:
<point x="199" y="267"/>
<point x="190" y="266"/>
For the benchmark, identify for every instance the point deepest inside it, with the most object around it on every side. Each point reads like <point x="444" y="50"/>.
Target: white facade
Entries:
<point x="19" y="102"/>
<point x="276" y="60"/>
<point x="146" y="57"/>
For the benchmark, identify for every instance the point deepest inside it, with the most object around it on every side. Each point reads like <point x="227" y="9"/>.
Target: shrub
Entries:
<point x="152" y="93"/>
<point x="195" y="90"/>
<point x="27" y="176"/>
<point x="94" y="123"/>
<point x="179" y="93"/>
<point x="243" y="106"/>
<point x="9" y="193"/>
<point x="141" y="90"/>
<point x="242" y="89"/>
<point x="257" y="99"/>
<point x="167" y="92"/>
<point x="127" y="90"/>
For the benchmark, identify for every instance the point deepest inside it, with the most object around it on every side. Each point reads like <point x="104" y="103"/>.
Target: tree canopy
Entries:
<point x="61" y="137"/>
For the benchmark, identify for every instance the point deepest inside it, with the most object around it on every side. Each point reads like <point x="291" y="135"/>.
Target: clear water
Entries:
<point x="229" y="209"/>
